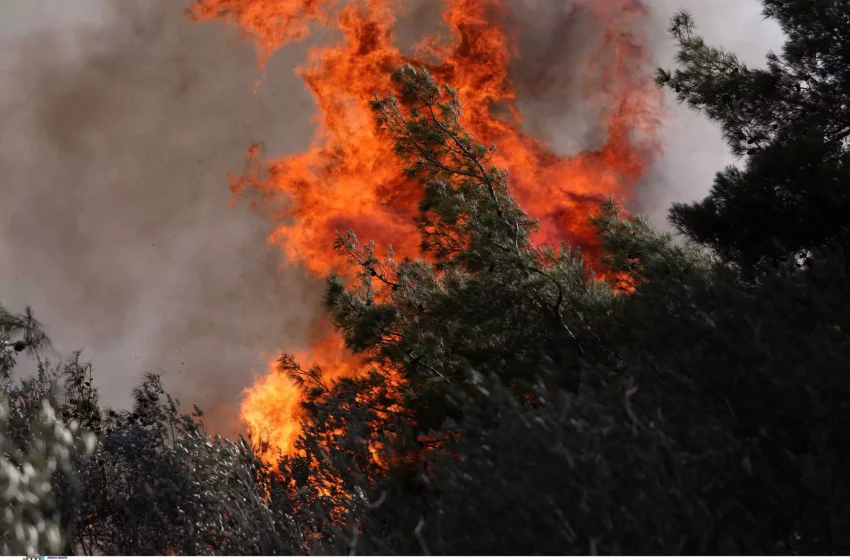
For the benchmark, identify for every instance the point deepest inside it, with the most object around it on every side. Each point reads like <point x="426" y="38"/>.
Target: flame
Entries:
<point x="349" y="178"/>
<point x="271" y="408"/>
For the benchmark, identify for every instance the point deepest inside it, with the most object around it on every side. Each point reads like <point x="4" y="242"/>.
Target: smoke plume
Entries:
<point x="118" y="135"/>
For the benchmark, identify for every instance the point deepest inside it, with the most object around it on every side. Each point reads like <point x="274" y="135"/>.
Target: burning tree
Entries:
<point x="482" y="295"/>
<point x="685" y="386"/>
<point x="351" y="178"/>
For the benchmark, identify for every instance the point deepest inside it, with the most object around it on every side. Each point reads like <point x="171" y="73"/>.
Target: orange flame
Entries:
<point x="350" y="178"/>
<point x="271" y="408"/>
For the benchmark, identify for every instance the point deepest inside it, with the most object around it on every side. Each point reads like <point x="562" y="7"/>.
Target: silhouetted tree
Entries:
<point x="791" y="123"/>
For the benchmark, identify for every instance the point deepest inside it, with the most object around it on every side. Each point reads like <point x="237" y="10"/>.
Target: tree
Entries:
<point x="791" y="121"/>
<point x="719" y="431"/>
<point x="766" y="365"/>
<point x="18" y="333"/>
<point x="159" y="484"/>
<point x="483" y="296"/>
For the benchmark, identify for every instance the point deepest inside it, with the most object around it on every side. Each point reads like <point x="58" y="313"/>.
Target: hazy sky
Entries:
<point x="120" y="122"/>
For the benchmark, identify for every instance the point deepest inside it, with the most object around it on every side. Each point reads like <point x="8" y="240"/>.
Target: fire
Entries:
<point x="350" y="179"/>
<point x="271" y="408"/>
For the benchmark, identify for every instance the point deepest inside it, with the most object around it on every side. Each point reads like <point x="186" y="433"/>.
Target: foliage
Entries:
<point x="38" y="451"/>
<point x="18" y="333"/>
<point x="144" y="481"/>
<point x="716" y="435"/>
<point x="792" y="123"/>
<point x="159" y="484"/>
<point x="483" y="296"/>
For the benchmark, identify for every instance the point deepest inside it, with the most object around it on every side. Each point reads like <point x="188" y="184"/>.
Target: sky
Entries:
<point x="121" y="121"/>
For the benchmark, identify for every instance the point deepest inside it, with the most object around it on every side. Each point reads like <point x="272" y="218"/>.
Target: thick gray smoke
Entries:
<point x="119" y="128"/>
<point x="120" y="123"/>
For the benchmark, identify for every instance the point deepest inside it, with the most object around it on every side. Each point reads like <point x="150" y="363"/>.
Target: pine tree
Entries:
<point x="791" y="123"/>
<point x="484" y="296"/>
<point x="19" y="332"/>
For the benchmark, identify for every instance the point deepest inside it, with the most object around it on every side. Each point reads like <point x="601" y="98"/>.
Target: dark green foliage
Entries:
<point x="766" y="365"/>
<point x="717" y="429"/>
<point x="571" y="474"/>
<point x="792" y="123"/>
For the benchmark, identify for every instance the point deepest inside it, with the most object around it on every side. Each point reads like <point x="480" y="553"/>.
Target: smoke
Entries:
<point x="121" y="121"/>
<point x="555" y="70"/>
<point x="119" y="128"/>
<point x="556" y="41"/>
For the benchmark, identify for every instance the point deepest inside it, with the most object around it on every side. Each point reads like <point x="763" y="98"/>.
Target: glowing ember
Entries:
<point x="350" y="178"/>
